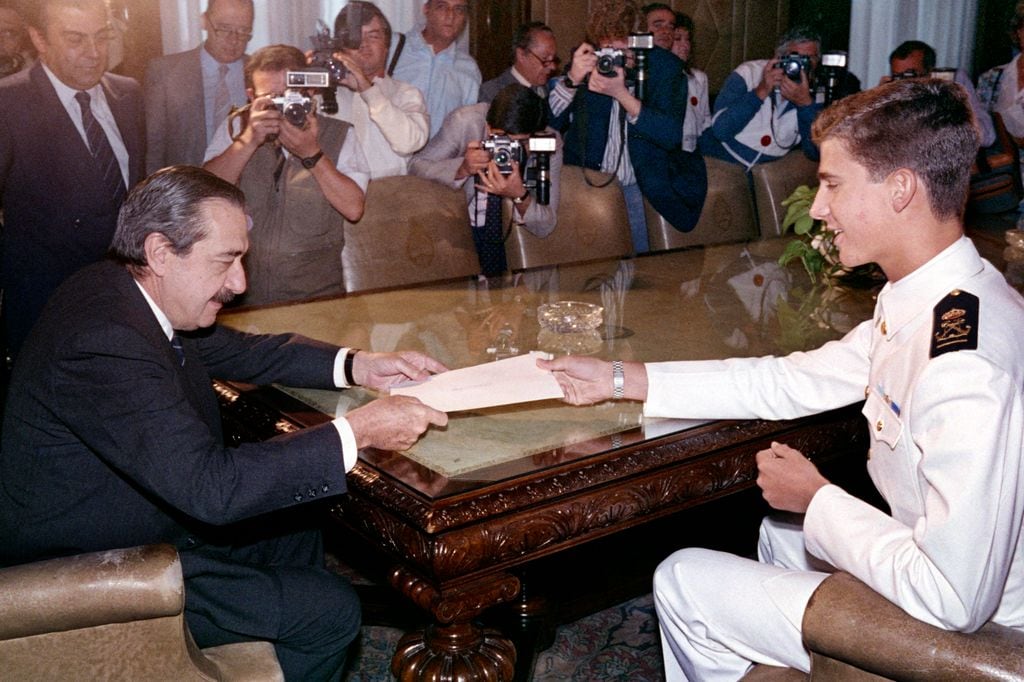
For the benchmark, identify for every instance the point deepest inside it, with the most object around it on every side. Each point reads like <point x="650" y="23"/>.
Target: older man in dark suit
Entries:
<point x="189" y="94"/>
<point x="534" y="60"/>
<point x="71" y="143"/>
<point x="112" y="435"/>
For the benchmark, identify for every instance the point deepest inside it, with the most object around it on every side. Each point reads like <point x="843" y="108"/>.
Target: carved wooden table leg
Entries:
<point x="455" y="649"/>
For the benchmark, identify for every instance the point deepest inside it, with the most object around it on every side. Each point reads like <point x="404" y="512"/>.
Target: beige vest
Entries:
<point x="296" y="239"/>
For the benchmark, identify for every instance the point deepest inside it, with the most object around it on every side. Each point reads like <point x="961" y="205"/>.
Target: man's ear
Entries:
<point x="38" y="39"/>
<point x="159" y="251"/>
<point x="903" y="186"/>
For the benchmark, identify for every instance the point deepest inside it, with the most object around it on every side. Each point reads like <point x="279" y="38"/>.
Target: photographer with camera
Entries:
<point x="496" y="152"/>
<point x="767" y="106"/>
<point x="389" y="117"/>
<point x="916" y="59"/>
<point x="303" y="175"/>
<point x="608" y="127"/>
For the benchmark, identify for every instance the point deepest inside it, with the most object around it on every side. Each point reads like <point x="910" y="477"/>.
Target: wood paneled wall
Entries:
<point x="727" y="31"/>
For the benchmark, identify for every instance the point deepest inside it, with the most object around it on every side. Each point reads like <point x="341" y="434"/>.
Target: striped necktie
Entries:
<point x="221" y="97"/>
<point x="106" y="163"/>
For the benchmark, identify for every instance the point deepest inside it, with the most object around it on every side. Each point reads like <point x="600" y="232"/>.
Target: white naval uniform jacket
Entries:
<point x="947" y="439"/>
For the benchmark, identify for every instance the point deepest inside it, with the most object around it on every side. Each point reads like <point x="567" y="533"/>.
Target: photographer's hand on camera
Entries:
<point x="493" y="181"/>
<point x="474" y="161"/>
<point x="300" y="142"/>
<point x="797" y="93"/>
<point x="583" y="62"/>
<point x="615" y="87"/>
<point x="264" y="122"/>
<point x="771" y="78"/>
<point x="354" y="79"/>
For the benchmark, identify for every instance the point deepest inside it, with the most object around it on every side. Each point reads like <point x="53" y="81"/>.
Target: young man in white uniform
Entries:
<point x="940" y="370"/>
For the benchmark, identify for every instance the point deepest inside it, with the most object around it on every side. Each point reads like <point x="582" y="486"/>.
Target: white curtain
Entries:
<point x="878" y="26"/>
<point x="291" y="22"/>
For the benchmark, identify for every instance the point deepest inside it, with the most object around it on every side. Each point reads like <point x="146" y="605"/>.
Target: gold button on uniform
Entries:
<point x="883" y="328"/>
<point x="879" y="425"/>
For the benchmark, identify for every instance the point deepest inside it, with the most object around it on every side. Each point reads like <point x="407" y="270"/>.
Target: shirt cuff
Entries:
<point x="339" y="368"/>
<point x="349" y="451"/>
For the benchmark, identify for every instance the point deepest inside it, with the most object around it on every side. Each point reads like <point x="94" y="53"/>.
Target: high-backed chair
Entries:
<point x="116" y="615"/>
<point x="856" y="635"/>
<point x="728" y="214"/>
<point x="774" y="182"/>
<point x="413" y="230"/>
<point x="592" y="224"/>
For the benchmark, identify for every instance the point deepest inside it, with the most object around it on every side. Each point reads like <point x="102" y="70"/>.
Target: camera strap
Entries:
<point x="583" y="116"/>
<point x="398" y="53"/>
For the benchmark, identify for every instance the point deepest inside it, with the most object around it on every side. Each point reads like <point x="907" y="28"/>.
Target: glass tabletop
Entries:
<point x="715" y="302"/>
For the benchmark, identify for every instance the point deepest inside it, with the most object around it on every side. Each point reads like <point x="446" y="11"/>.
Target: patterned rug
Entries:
<point x="619" y="643"/>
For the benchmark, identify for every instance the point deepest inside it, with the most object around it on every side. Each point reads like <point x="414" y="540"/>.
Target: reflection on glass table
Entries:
<point x="700" y="304"/>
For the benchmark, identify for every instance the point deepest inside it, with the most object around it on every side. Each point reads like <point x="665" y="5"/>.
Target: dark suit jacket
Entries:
<point x="57" y="216"/>
<point x="490" y="89"/>
<point x="673" y="181"/>
<point x="175" y="111"/>
<point x="109" y="442"/>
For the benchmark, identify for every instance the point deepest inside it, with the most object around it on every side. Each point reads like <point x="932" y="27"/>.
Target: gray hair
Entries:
<point x="797" y="34"/>
<point x="168" y="202"/>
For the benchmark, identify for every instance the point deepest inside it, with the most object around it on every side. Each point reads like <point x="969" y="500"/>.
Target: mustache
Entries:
<point x="224" y="296"/>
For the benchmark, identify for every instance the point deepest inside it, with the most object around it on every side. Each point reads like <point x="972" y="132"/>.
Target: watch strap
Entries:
<point x="618" y="379"/>
<point x="311" y="161"/>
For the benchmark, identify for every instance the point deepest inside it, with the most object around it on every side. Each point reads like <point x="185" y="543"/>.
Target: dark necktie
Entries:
<point x="102" y="152"/>
<point x="490" y="246"/>
<point x="178" y="350"/>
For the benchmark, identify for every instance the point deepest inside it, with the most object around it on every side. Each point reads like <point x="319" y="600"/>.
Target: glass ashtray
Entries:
<point x="569" y="317"/>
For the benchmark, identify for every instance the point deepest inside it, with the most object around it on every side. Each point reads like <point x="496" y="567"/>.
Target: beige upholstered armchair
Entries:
<point x="856" y="635"/>
<point x="115" y="615"/>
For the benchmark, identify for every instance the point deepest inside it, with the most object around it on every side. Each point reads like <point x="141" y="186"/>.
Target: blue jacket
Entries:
<point x="673" y="181"/>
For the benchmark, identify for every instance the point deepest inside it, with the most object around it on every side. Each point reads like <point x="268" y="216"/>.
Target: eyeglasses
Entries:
<point x="544" y="62"/>
<point x="236" y="33"/>
<point x="75" y="39"/>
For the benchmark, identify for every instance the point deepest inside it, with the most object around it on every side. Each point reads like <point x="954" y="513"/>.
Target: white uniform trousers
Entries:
<point x="718" y="612"/>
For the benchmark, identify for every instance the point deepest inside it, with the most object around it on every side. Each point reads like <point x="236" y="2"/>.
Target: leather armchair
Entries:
<point x="774" y="181"/>
<point x="115" y="615"/>
<point x="413" y="230"/>
<point x="856" y="635"/>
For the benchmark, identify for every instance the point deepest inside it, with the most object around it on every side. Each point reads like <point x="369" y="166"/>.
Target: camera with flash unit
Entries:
<point x="294" y="104"/>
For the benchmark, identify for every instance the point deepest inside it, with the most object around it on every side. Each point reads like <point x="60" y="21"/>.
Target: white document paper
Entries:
<point x="504" y="382"/>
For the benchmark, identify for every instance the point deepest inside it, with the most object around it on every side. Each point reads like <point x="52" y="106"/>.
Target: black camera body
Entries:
<point x="503" y="150"/>
<point x="608" y="58"/>
<point x="832" y="74"/>
<point x="793" y="64"/>
<point x="324" y="47"/>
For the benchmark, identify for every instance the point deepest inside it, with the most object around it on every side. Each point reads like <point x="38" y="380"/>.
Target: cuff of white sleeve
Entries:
<point x="339" y="368"/>
<point x="349" y="451"/>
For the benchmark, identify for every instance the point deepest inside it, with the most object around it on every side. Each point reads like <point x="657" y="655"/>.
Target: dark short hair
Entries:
<point x="274" y="58"/>
<point x="926" y="125"/>
<point x="169" y="202"/>
<point x="909" y="47"/>
<point x="654" y="6"/>
<point x="684" y="21"/>
<point x="366" y="12"/>
<point x="1016" y="21"/>
<point x="525" y="33"/>
<point x="798" y="34"/>
<point x="517" y="110"/>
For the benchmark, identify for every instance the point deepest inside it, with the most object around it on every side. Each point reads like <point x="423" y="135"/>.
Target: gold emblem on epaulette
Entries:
<point x="953" y="327"/>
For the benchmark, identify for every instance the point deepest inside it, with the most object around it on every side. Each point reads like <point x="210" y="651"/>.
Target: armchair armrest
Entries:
<point x="117" y="586"/>
<point x="848" y="621"/>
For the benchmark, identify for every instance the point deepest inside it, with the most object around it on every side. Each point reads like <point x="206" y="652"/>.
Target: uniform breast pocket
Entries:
<point x="885" y="425"/>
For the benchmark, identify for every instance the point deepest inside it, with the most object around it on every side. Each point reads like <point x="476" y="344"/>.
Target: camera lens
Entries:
<point x="295" y="113"/>
<point x="502" y="157"/>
